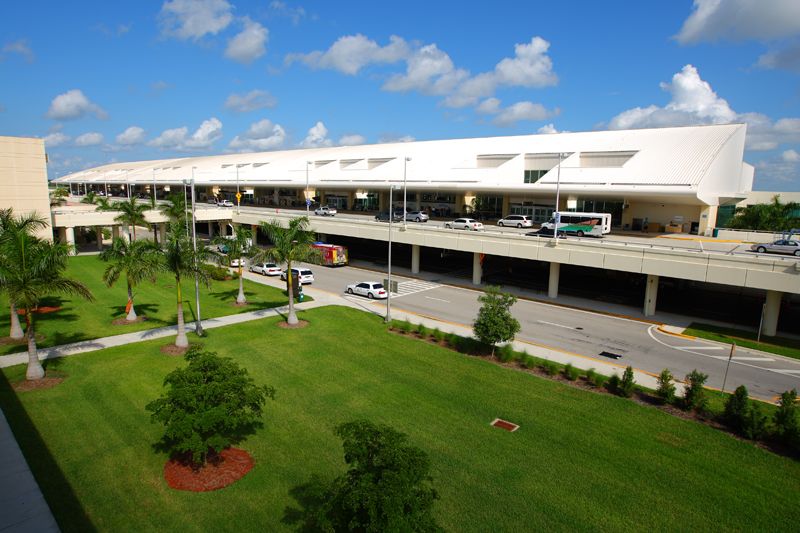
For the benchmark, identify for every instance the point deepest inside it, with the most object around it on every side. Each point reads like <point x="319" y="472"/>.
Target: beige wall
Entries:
<point x="23" y="178"/>
<point x="661" y="213"/>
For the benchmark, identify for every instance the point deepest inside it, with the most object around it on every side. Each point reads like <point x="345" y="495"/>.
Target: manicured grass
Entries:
<point x="777" y="345"/>
<point x="81" y="320"/>
<point x="579" y="461"/>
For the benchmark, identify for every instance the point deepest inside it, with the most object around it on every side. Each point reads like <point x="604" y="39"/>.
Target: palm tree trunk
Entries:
<point x="240" y="299"/>
<point x="132" y="312"/>
<point x="181" y="341"/>
<point x="133" y="227"/>
<point x="292" y="318"/>
<point x="16" y="329"/>
<point x="35" y="369"/>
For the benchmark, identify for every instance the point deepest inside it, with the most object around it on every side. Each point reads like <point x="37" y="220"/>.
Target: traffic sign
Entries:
<point x="238" y="196"/>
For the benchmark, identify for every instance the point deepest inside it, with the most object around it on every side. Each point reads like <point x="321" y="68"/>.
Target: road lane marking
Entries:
<point x="554" y="324"/>
<point x="789" y="371"/>
<point x="438" y="299"/>
<point x="704" y="347"/>
<point x="725" y="358"/>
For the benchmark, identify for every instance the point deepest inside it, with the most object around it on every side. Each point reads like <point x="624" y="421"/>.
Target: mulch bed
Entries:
<point x="40" y="310"/>
<point x="37" y="384"/>
<point x="171" y="349"/>
<point x="124" y="321"/>
<point x="234" y="304"/>
<point x="300" y="324"/>
<point x="4" y="341"/>
<point x="228" y="467"/>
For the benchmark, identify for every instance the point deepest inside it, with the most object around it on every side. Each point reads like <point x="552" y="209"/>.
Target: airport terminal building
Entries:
<point x="648" y="179"/>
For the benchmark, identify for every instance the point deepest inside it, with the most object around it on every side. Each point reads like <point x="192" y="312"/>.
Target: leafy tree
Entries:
<point x="10" y="228"/>
<point x="495" y="323"/>
<point x="59" y="195"/>
<point x="787" y="426"/>
<point x="695" y="396"/>
<point x="666" y="387"/>
<point x="181" y="260"/>
<point x="754" y="422"/>
<point x="137" y="260"/>
<point x="209" y="405"/>
<point x="773" y="216"/>
<point x="387" y="486"/>
<point x="31" y="269"/>
<point x="239" y="246"/>
<point x="131" y="214"/>
<point x="291" y="244"/>
<point x="627" y="383"/>
<point x="736" y="407"/>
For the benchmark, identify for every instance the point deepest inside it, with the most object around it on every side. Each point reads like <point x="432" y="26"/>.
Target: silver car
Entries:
<point x="464" y="223"/>
<point x="516" y="221"/>
<point x="417" y="216"/>
<point x="781" y="246"/>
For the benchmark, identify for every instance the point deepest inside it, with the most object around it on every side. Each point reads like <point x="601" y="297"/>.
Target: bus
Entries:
<point x="331" y="254"/>
<point x="580" y="224"/>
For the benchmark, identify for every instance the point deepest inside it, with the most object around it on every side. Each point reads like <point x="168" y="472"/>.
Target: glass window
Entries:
<point x="532" y="176"/>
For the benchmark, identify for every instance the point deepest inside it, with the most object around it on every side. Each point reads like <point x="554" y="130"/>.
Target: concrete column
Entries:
<point x="70" y="238"/>
<point x="415" y="259"/>
<point x="62" y="232"/>
<point x="99" y="232"/>
<point x="211" y="229"/>
<point x="650" y="295"/>
<point x="126" y="234"/>
<point x="477" y="269"/>
<point x="114" y="232"/>
<point x="162" y="234"/>
<point x="772" y="311"/>
<point x="552" y="285"/>
<point x="254" y="230"/>
<point x="276" y="197"/>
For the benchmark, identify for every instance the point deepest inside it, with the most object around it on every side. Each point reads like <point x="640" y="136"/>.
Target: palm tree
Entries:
<point x="32" y="269"/>
<point x="290" y="245"/>
<point x="239" y="246"/>
<point x="10" y="227"/>
<point x="103" y="204"/>
<point x="175" y="210"/>
<point x="59" y="195"/>
<point x="181" y="260"/>
<point x="132" y="213"/>
<point x="138" y="260"/>
<point x="773" y="216"/>
<point x="90" y="198"/>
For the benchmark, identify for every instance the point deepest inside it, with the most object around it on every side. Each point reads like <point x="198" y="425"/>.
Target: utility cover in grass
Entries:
<point x="504" y="424"/>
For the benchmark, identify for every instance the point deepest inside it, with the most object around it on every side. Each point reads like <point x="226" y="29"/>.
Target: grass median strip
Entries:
<point x="579" y="460"/>
<point x="778" y="345"/>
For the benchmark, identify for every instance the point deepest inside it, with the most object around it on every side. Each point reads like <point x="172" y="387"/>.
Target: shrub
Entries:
<point x="452" y="340"/>
<point x="528" y="362"/>
<point x="627" y="383"/>
<point x="754" y="422"/>
<point x="666" y="388"/>
<point x="591" y="376"/>
<point x="438" y="335"/>
<point x="550" y="367"/>
<point x="422" y="331"/>
<point x="695" y="396"/>
<point x="570" y="372"/>
<point x="613" y="384"/>
<point x="787" y="427"/>
<point x="406" y="326"/>
<point x="505" y="353"/>
<point x="209" y="405"/>
<point x="219" y="273"/>
<point x="736" y="407"/>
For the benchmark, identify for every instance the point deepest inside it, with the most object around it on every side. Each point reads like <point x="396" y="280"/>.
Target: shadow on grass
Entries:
<point x="144" y="309"/>
<point x="230" y="296"/>
<point x="63" y="502"/>
<point x="310" y="498"/>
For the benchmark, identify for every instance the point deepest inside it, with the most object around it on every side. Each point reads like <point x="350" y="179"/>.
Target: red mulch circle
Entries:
<point x="40" y="310"/>
<point x="171" y="349"/>
<point x="230" y="466"/>
<point x="37" y="384"/>
<point x="300" y="324"/>
<point x="124" y="321"/>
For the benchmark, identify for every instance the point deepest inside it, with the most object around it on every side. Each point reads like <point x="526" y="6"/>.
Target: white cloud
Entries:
<point x="20" y="47"/>
<point x="132" y="135"/>
<point x="429" y="71"/>
<point x="787" y="59"/>
<point x="179" y="139"/>
<point x="791" y="156"/>
<point x="547" y="128"/>
<point x="777" y="174"/>
<point x="352" y="140"/>
<point x="736" y="20"/>
<point x="694" y="102"/>
<point x="294" y="13"/>
<point x="490" y="106"/>
<point x="393" y="138"/>
<point x="160" y="85"/>
<point x="193" y="19"/>
<point x="249" y="44"/>
<point x="351" y="53"/>
<point x="260" y="136"/>
<point x="252" y="101"/>
<point x="91" y="138"/>
<point x="514" y="113"/>
<point x="317" y="137"/>
<point x="73" y="104"/>
<point x="56" y="139"/>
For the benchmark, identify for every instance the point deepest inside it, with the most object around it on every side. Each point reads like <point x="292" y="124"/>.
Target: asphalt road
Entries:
<point x="585" y="333"/>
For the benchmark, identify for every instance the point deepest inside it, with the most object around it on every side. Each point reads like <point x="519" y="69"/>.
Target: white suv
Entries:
<point x="325" y="211"/>
<point x="516" y="221"/>
<point x="303" y="275"/>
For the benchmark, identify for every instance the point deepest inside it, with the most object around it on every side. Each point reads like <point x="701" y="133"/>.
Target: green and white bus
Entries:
<point x="580" y="224"/>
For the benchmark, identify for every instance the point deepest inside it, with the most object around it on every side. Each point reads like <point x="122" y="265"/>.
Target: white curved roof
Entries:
<point x="692" y="160"/>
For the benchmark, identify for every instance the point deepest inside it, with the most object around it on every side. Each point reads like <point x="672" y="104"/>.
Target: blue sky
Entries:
<point x="132" y="80"/>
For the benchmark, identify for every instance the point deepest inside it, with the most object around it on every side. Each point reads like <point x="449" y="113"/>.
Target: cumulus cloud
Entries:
<point x="131" y="136"/>
<point x="547" y="128"/>
<point x="737" y="20"/>
<point x="352" y="140"/>
<point x="194" y="19"/>
<point x="295" y="14"/>
<point x="429" y="70"/>
<point x="160" y="85"/>
<point x="260" y="136"/>
<point x="786" y="59"/>
<point x="179" y="139"/>
<point x="91" y="138"/>
<point x="520" y="111"/>
<point x="790" y="156"/>
<point x="56" y="139"/>
<point x="73" y="104"/>
<point x="395" y="138"/>
<point x="252" y="101"/>
<point x="317" y="137"/>
<point x="21" y="48"/>
<point x="249" y="44"/>
<point x="693" y="101"/>
<point x="351" y="53"/>
<point x="777" y="174"/>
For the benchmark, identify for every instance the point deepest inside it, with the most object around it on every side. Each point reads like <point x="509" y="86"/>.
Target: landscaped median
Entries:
<point x="64" y="320"/>
<point x="786" y="346"/>
<point x="579" y="460"/>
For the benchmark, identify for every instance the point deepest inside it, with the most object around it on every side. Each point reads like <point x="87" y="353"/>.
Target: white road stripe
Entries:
<point x="554" y="324"/>
<point x="704" y="347"/>
<point x="438" y="299"/>
<point x="725" y="358"/>
<point x="789" y="371"/>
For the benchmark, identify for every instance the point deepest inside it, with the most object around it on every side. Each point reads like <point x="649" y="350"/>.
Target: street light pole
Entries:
<point x="389" y="277"/>
<point x="154" y="187"/>
<point x="405" y="210"/>
<point x="198" y="322"/>
<point x="308" y="200"/>
<point x="557" y="214"/>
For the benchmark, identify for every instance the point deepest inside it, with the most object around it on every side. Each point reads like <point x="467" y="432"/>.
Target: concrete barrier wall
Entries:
<point x="747" y="235"/>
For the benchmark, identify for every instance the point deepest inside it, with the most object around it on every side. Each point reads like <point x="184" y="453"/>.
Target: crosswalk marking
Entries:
<point x="404" y="288"/>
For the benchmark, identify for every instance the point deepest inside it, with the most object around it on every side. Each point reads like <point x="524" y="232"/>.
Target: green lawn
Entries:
<point x="579" y="461"/>
<point x="778" y="345"/>
<point x="80" y="320"/>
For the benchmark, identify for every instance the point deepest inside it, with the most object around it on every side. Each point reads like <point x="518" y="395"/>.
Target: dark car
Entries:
<point x="545" y="232"/>
<point x="383" y="216"/>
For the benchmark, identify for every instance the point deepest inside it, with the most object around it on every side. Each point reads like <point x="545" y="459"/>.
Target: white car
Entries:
<point x="266" y="269"/>
<point x="370" y="289"/>
<point x="304" y="275"/>
<point x="516" y="221"/>
<point x="235" y="262"/>
<point x="464" y="223"/>
<point x="325" y="211"/>
<point x="781" y="246"/>
<point x="225" y="203"/>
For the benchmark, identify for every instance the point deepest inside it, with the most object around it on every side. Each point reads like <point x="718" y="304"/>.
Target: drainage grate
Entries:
<point x="611" y="355"/>
<point x="504" y="424"/>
